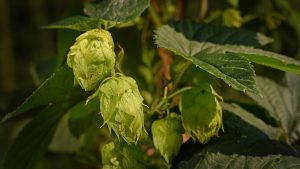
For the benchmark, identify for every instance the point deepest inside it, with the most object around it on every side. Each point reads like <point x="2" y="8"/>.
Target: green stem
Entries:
<point x="165" y="99"/>
<point x="178" y="78"/>
<point x="179" y="91"/>
<point x="155" y="16"/>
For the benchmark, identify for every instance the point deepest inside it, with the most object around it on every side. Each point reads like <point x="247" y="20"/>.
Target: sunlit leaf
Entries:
<point x="235" y="70"/>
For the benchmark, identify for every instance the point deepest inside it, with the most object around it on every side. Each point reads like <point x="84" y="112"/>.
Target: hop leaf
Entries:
<point x="121" y="156"/>
<point x="201" y="113"/>
<point x="167" y="137"/>
<point x="121" y="106"/>
<point x="92" y="58"/>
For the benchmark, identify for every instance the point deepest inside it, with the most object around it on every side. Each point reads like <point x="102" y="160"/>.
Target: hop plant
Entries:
<point x="121" y="106"/>
<point x="121" y="156"/>
<point x="167" y="137"/>
<point x="92" y="58"/>
<point x="201" y="113"/>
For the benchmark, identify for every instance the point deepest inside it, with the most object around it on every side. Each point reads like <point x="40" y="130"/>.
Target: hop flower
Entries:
<point x="92" y="58"/>
<point x="121" y="156"/>
<point x="121" y="107"/>
<point x="201" y="113"/>
<point x="167" y="137"/>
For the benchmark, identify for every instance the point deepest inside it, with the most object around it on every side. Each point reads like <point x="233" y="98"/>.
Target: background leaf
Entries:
<point x="273" y="133"/>
<point x="281" y="102"/>
<point x="219" y="34"/>
<point x="232" y="68"/>
<point x="240" y="141"/>
<point x="218" y="160"/>
<point x="63" y="141"/>
<point x="293" y="84"/>
<point x="33" y="140"/>
<point x="79" y="23"/>
<point x="276" y="100"/>
<point x="82" y="116"/>
<point x="57" y="89"/>
<point x="117" y="10"/>
<point x="107" y="13"/>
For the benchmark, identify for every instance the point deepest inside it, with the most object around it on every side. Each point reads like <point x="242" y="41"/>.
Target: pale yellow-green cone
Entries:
<point x="92" y="58"/>
<point x="121" y="106"/>
<point x="201" y="113"/>
<point x="167" y="137"/>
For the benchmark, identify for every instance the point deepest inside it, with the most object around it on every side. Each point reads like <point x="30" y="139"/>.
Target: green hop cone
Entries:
<point x="92" y="58"/>
<point x="121" y="106"/>
<point x="121" y="156"/>
<point x="201" y="113"/>
<point x="167" y="137"/>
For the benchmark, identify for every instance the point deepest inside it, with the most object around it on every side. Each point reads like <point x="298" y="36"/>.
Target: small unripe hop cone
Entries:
<point x="167" y="137"/>
<point x="92" y="58"/>
<point x="121" y="106"/>
<point x="201" y="113"/>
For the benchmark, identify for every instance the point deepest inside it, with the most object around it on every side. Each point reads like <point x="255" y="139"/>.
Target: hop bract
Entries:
<point x="92" y="58"/>
<point x="167" y="137"/>
<point x="121" y="107"/>
<point x="201" y="113"/>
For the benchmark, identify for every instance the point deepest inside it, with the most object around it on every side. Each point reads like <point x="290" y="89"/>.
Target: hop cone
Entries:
<point x="167" y="137"/>
<point x="201" y="113"/>
<point x="92" y="58"/>
<point x="121" y="107"/>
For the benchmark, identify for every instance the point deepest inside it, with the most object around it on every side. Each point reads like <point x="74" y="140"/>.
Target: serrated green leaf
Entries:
<point x="79" y="23"/>
<point x="258" y="56"/>
<point x="218" y="160"/>
<point x="277" y="100"/>
<point x="220" y="34"/>
<point x="267" y="58"/>
<point x="235" y="70"/>
<point x="57" y="89"/>
<point x="272" y="132"/>
<point x="282" y="103"/>
<point x="240" y="139"/>
<point x="33" y="140"/>
<point x="293" y="84"/>
<point x="116" y="11"/>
